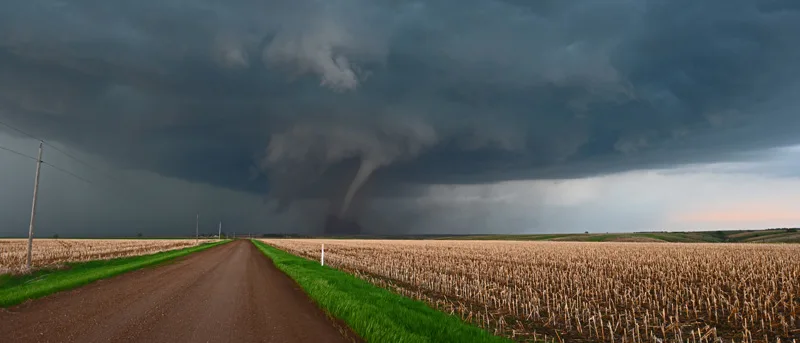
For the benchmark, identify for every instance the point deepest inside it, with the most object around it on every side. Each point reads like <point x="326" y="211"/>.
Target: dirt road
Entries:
<point x="230" y="293"/>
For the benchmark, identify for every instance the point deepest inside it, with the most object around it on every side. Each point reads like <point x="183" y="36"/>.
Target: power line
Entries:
<point x="17" y="153"/>
<point x="56" y="148"/>
<point x="81" y="161"/>
<point x="62" y="170"/>
<point x="50" y="145"/>
<point x="124" y="195"/>
<point x="46" y="163"/>
<point x="18" y="130"/>
<point x="106" y="173"/>
<point x="66" y="172"/>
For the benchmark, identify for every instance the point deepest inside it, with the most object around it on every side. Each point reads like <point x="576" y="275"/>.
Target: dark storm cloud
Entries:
<point x="274" y="96"/>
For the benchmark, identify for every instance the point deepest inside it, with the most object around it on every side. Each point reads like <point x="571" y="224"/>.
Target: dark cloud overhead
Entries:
<point x="465" y="91"/>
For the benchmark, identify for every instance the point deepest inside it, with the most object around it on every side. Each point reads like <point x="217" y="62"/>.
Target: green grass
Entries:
<point x="15" y="289"/>
<point x="374" y="313"/>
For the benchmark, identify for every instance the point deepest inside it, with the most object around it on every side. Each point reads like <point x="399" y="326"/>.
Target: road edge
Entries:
<point x="372" y="312"/>
<point x="49" y="282"/>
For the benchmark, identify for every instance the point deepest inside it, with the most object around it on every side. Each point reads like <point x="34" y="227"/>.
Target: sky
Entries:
<point x="490" y="116"/>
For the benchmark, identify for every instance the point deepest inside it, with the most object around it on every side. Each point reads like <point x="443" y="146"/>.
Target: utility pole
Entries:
<point x="197" y="229"/>
<point x="219" y="235"/>
<point x="33" y="206"/>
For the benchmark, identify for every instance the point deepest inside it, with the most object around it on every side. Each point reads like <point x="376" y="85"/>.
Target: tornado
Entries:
<point x="364" y="171"/>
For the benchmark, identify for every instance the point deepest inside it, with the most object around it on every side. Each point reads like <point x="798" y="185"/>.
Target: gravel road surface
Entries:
<point x="229" y="293"/>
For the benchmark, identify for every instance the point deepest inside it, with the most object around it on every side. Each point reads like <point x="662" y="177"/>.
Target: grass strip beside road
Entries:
<point x="374" y="313"/>
<point x="15" y="289"/>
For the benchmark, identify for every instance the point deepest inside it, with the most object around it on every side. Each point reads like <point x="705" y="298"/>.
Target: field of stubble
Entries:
<point x="49" y="253"/>
<point x="588" y="292"/>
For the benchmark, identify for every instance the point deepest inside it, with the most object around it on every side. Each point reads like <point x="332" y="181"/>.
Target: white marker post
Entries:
<point x="322" y="257"/>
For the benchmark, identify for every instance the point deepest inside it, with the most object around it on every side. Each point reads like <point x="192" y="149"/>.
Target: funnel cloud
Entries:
<point x="346" y="102"/>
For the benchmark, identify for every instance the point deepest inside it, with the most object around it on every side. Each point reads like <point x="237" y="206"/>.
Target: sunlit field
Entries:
<point x="587" y="292"/>
<point x="55" y="252"/>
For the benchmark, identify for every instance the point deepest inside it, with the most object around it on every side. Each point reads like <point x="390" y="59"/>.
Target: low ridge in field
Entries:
<point x="587" y="292"/>
<point x="741" y="236"/>
<point x="49" y="253"/>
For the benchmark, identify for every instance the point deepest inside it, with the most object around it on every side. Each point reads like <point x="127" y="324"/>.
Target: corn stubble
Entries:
<point x="588" y="292"/>
<point x="52" y="253"/>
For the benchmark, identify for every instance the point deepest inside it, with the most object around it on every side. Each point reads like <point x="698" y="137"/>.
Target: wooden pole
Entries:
<point x="33" y="206"/>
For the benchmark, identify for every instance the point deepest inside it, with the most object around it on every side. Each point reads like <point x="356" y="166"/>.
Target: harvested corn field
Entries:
<point x="588" y="292"/>
<point x="55" y="252"/>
